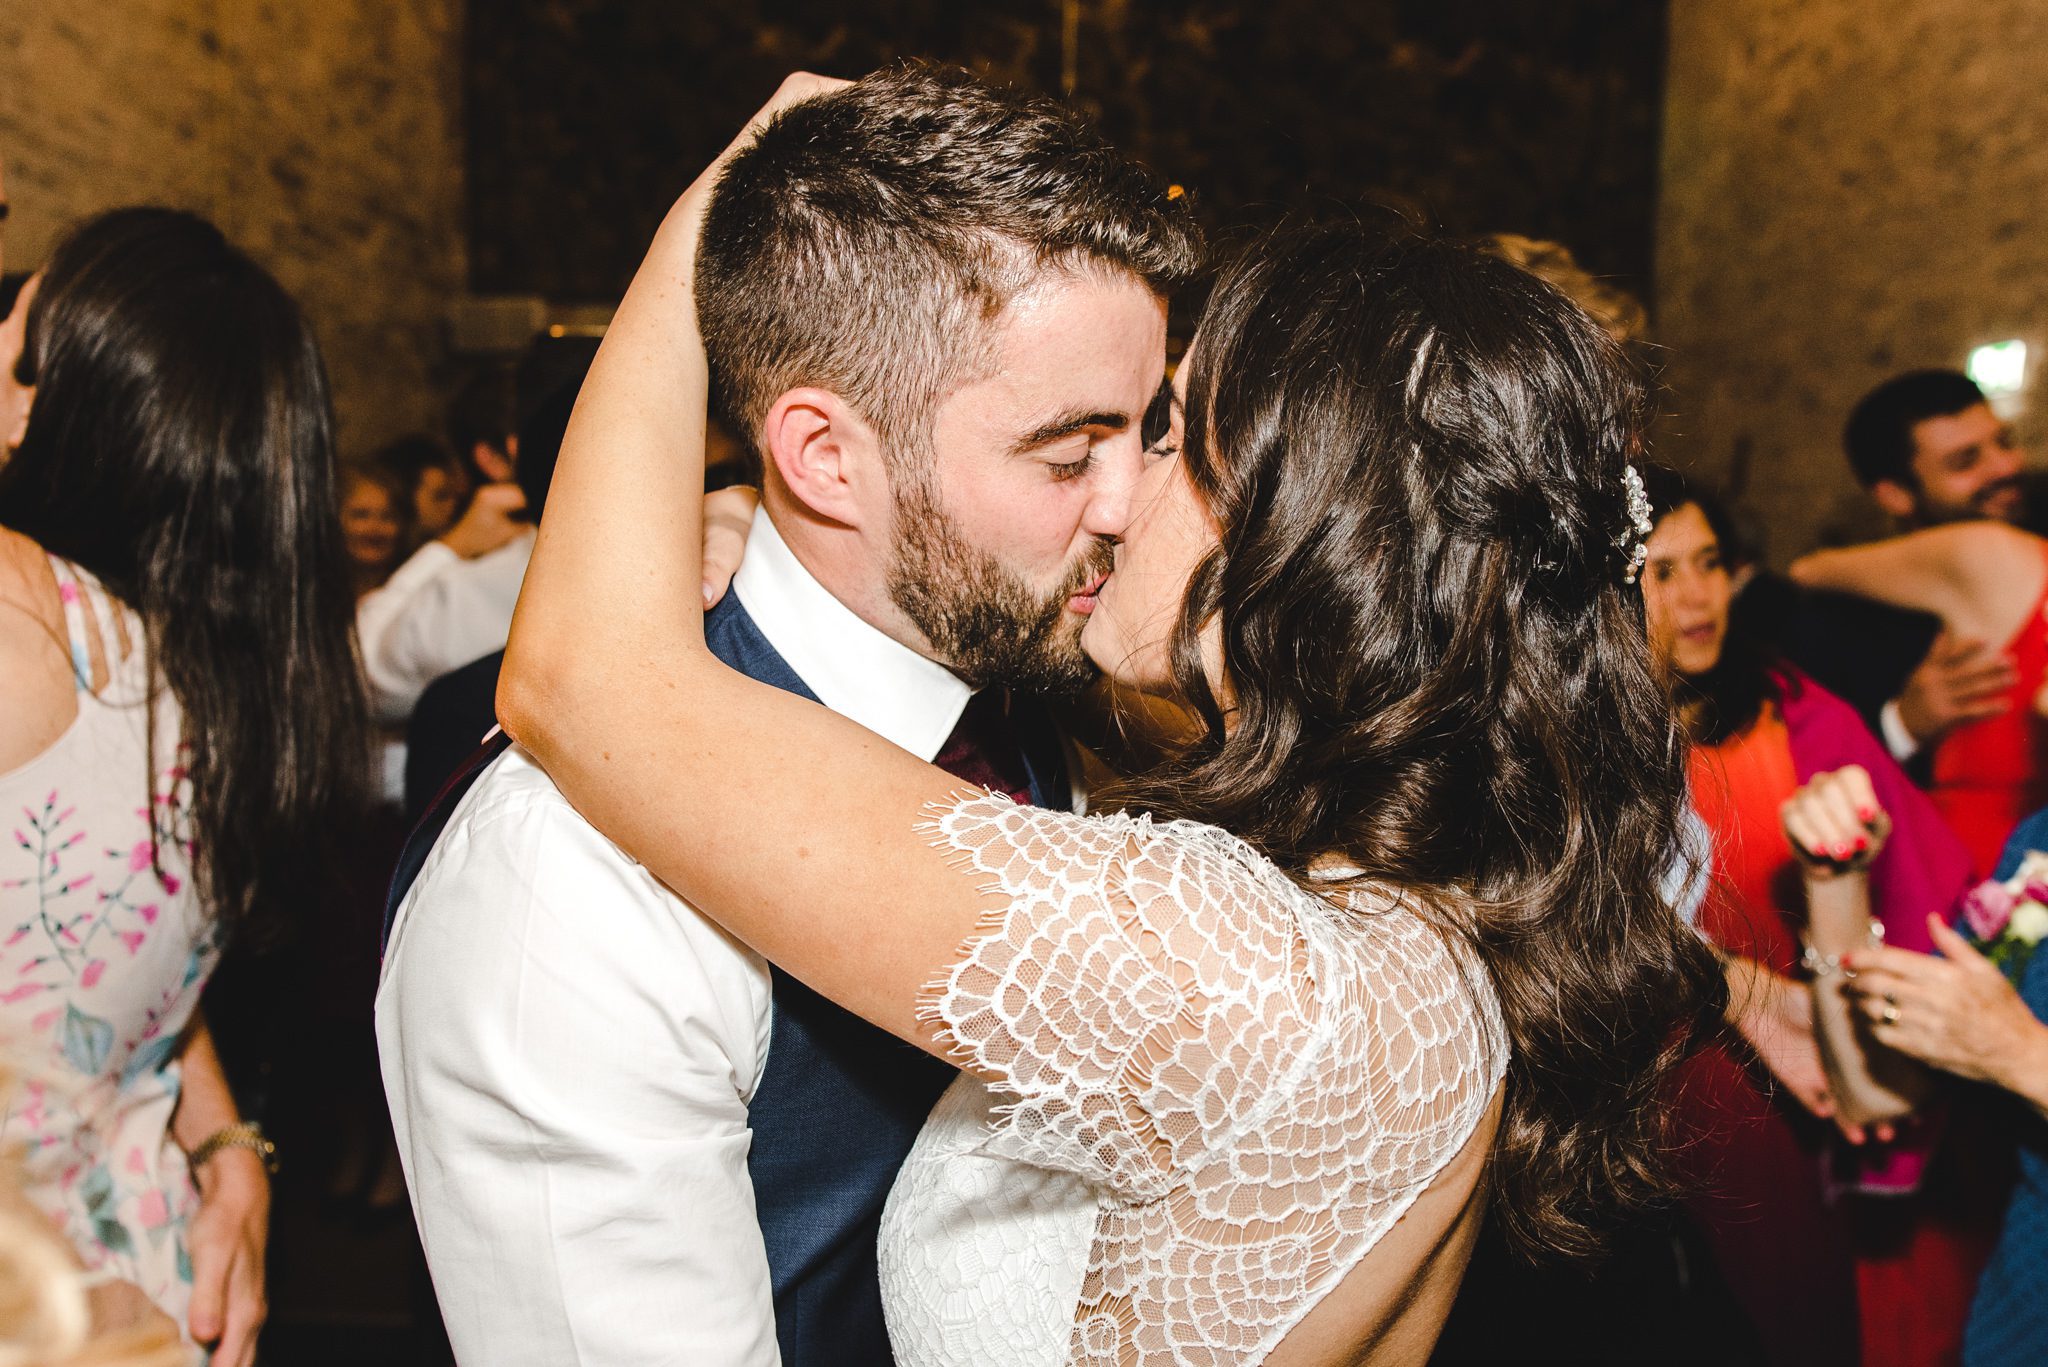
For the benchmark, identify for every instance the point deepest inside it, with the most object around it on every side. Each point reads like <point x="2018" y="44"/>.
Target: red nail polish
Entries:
<point x="1866" y="814"/>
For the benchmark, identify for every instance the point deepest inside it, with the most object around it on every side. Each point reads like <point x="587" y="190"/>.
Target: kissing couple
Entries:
<point x="779" y="994"/>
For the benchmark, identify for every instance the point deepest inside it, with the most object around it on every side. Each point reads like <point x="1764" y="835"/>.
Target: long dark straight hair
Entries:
<point x="181" y="448"/>
<point x="1415" y="453"/>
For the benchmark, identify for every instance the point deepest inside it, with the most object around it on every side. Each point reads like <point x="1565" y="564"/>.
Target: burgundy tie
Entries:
<point x="983" y="750"/>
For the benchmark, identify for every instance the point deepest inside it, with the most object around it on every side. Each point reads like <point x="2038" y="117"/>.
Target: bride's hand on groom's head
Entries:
<point x="796" y="87"/>
<point x="728" y="516"/>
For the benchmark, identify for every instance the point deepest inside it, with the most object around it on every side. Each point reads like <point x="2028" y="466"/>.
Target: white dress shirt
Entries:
<point x="1898" y="737"/>
<point x="569" y="1049"/>
<point x="435" y="614"/>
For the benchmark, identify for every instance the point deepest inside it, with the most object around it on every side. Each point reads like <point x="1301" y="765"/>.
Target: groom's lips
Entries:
<point x="1083" y="602"/>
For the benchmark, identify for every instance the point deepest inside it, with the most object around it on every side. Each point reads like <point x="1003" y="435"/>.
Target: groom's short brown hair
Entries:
<point x="868" y="239"/>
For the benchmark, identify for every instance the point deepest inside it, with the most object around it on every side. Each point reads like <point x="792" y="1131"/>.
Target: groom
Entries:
<point x="938" y="314"/>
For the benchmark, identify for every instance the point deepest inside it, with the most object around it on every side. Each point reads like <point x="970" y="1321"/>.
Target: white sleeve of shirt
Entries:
<point x="569" y="1051"/>
<point x="378" y="616"/>
<point x="437" y="613"/>
<point x="1902" y="743"/>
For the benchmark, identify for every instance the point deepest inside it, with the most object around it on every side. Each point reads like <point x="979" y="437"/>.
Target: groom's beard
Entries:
<point x="982" y="621"/>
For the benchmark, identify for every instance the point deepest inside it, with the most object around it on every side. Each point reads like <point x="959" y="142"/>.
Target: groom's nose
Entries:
<point x="1119" y="463"/>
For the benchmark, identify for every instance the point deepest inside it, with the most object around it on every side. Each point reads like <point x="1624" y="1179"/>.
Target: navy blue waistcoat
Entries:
<point x="839" y="1102"/>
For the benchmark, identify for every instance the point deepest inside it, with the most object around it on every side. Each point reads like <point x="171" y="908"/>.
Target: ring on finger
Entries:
<point x="1890" y="1014"/>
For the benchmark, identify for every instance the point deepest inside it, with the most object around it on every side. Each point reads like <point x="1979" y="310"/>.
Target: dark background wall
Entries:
<point x="1850" y="190"/>
<point x="585" y="118"/>
<point x="322" y="138"/>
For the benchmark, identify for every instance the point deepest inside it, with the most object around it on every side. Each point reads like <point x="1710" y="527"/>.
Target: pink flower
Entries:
<point x="92" y="973"/>
<point x="138" y="858"/>
<point x="67" y="593"/>
<point x="1986" y="909"/>
<point x="136" y="1162"/>
<point x="155" y="1214"/>
<point x="147" y="913"/>
<point x="2035" y="892"/>
<point x="132" y="939"/>
<point x="172" y="883"/>
<point x="15" y="994"/>
<point x="15" y="938"/>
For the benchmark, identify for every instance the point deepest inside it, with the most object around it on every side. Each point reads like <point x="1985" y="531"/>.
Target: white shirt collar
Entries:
<point x="854" y="669"/>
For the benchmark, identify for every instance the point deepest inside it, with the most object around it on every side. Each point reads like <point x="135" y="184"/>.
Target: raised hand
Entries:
<point x="1835" y="822"/>
<point x="1957" y="1012"/>
<point x="491" y="520"/>
<point x="1961" y="681"/>
<point x="1775" y="1015"/>
<point x="728" y="516"/>
<point x="227" y="1240"/>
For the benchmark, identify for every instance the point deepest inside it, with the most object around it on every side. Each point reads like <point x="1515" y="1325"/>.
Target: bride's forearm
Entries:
<point x="611" y="601"/>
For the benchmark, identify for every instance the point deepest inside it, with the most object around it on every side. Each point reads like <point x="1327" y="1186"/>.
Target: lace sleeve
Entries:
<point x="1144" y="998"/>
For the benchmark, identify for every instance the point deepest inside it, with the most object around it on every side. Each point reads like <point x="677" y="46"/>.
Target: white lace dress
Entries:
<point x="1217" y="1092"/>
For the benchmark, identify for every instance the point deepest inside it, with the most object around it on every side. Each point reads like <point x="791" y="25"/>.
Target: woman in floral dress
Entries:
<point x="182" y="733"/>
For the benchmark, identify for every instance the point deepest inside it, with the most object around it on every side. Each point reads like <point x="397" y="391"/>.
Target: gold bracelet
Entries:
<point x="243" y="1134"/>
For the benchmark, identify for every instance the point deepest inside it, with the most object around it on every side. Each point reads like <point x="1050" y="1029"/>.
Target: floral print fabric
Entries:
<point x="103" y="953"/>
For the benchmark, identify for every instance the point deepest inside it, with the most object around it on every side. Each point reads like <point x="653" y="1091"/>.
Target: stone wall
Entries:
<point x="321" y="136"/>
<point x="1849" y="189"/>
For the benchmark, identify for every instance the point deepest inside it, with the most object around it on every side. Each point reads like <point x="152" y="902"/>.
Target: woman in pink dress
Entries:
<point x="183" y="735"/>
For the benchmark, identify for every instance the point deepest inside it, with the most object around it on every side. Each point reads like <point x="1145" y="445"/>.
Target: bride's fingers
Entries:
<point x="796" y="87"/>
<point x="728" y="516"/>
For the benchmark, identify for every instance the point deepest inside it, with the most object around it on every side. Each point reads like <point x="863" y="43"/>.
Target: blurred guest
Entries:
<point x="1612" y="307"/>
<point x="1929" y="450"/>
<point x="457" y="709"/>
<point x="1959" y="1013"/>
<point x="483" y="423"/>
<point x="1988" y="584"/>
<point x="1761" y="732"/>
<point x="16" y="391"/>
<point x="373" y="524"/>
<point x="436" y="485"/>
<point x="451" y="601"/>
<point x="184" y="737"/>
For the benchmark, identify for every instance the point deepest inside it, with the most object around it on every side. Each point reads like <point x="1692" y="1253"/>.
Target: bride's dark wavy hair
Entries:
<point x="1415" y="454"/>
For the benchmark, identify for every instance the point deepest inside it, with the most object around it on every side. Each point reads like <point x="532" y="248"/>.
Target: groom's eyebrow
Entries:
<point x="1066" y="425"/>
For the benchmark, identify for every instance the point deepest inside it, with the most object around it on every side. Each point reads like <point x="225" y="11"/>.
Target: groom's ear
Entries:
<point x="827" y="454"/>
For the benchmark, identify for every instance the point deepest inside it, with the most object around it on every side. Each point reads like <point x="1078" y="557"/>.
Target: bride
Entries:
<point x="1244" y="1064"/>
